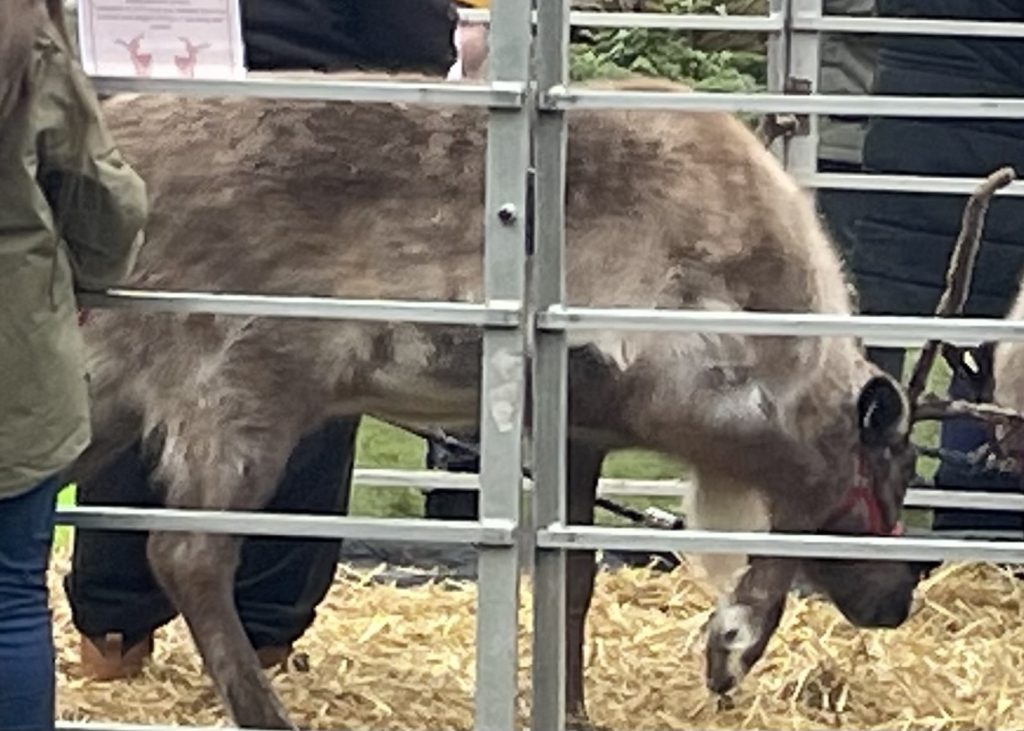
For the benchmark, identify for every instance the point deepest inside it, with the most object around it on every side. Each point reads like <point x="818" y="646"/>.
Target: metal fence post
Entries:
<point x="777" y="62"/>
<point x="550" y="377"/>
<point x="804" y="71"/>
<point x="502" y="387"/>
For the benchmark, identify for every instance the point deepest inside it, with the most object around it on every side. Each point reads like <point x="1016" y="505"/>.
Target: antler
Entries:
<point x="958" y="285"/>
<point x="938" y="409"/>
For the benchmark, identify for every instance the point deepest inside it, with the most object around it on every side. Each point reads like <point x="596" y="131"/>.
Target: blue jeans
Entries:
<point x="26" y="634"/>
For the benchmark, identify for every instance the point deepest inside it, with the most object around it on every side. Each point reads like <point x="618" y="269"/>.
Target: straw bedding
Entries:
<point x="389" y="658"/>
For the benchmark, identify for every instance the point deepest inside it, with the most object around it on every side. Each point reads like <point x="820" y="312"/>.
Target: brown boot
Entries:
<point x="106" y="659"/>
<point x="273" y="656"/>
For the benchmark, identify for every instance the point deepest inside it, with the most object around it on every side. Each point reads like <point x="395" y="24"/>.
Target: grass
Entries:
<point x="381" y="446"/>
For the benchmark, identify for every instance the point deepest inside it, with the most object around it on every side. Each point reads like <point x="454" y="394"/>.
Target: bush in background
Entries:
<point x="706" y="61"/>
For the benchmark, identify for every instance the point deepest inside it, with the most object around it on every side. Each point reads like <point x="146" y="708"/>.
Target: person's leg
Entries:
<point x="282" y="580"/>
<point x="27" y="675"/>
<point x="116" y="603"/>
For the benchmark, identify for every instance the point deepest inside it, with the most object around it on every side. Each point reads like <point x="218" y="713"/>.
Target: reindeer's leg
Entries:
<point x="752" y="590"/>
<point x="745" y="621"/>
<point x="584" y="469"/>
<point x="197" y="570"/>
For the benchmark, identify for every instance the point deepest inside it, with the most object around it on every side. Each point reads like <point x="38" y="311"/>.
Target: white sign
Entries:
<point x="184" y="39"/>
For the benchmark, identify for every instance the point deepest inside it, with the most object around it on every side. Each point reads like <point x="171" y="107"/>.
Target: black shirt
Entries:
<point x="338" y="35"/>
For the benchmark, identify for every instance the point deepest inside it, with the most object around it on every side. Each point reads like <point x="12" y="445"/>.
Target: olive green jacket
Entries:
<point x="847" y="67"/>
<point x="66" y="219"/>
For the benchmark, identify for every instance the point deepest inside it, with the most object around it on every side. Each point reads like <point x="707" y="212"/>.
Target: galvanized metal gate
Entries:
<point x="527" y="105"/>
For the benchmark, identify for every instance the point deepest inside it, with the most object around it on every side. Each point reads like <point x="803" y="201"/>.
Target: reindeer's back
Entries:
<point x="377" y="200"/>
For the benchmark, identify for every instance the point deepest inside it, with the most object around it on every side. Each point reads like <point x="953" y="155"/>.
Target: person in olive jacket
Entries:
<point x="71" y="215"/>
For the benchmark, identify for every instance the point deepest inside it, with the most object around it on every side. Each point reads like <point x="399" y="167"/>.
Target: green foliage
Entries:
<point x="704" y="61"/>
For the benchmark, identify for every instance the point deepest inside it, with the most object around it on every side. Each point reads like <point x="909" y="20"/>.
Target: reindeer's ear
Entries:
<point x="882" y="411"/>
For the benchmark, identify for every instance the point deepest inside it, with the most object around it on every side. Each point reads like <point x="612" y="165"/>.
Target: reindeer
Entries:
<point x="664" y="209"/>
<point x="187" y="64"/>
<point x="141" y="61"/>
<point x="1002" y="381"/>
<point x="1008" y="364"/>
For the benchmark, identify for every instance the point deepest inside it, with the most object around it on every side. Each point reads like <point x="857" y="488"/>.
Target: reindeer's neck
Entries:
<point x="792" y="438"/>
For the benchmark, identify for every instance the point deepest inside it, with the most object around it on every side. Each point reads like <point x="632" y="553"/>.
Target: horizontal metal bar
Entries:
<point x="667" y="21"/>
<point x="428" y="480"/>
<point x="495" y="314"/>
<point x="673" y="21"/>
<point x="774" y="23"/>
<point x="877" y="341"/>
<point x="285" y="525"/>
<point x="977" y="534"/>
<point x="590" y="538"/>
<point x="574" y="97"/>
<point x="909" y="26"/>
<point x="964" y="500"/>
<point x="777" y="323"/>
<point x="498" y="94"/>
<point x="901" y="184"/>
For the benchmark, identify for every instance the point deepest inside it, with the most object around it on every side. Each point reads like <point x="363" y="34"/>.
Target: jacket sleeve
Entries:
<point x="99" y="201"/>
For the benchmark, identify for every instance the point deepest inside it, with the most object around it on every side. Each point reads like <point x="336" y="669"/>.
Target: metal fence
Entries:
<point x="527" y="109"/>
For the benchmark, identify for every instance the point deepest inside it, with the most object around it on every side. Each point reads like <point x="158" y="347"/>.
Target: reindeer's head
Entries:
<point x="880" y="593"/>
<point x="882" y="459"/>
<point x="873" y="593"/>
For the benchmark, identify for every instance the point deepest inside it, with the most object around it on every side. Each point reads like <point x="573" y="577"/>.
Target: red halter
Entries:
<point x="862" y="494"/>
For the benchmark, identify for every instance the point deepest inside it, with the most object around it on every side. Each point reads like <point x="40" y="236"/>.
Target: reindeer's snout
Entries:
<point x="721" y="683"/>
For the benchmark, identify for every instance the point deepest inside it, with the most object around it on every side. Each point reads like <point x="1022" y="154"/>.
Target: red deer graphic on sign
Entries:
<point x="187" y="64"/>
<point x="141" y="61"/>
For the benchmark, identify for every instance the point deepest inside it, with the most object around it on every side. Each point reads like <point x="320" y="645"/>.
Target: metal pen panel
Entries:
<point x="503" y="372"/>
<point x="550" y="379"/>
<point x="777" y="61"/>
<point x="803" y="71"/>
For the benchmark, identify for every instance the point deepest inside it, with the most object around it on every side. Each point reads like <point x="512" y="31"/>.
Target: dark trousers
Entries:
<point x="26" y="632"/>
<point x="280" y="581"/>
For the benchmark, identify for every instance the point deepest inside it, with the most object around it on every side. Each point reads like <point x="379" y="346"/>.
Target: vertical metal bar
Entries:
<point x="502" y="388"/>
<point x="805" y="64"/>
<point x="550" y="378"/>
<point x="778" y="62"/>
